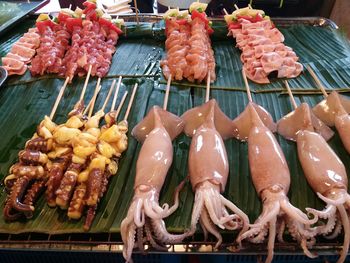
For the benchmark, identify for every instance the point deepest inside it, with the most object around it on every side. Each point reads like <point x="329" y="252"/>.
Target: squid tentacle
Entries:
<point x="345" y="221"/>
<point x="211" y="228"/>
<point x="338" y="227"/>
<point x="280" y="231"/>
<point x="296" y="213"/>
<point x="237" y="211"/>
<point x="150" y="238"/>
<point x="197" y="209"/>
<point x="163" y="235"/>
<point x="139" y="217"/>
<point x="271" y="241"/>
<point x="339" y="201"/>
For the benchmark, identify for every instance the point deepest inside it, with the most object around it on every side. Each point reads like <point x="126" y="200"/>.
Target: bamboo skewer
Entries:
<point x="167" y="90"/>
<point x="291" y="97"/>
<point x="236" y="6"/>
<point x="136" y="12"/>
<point x="121" y="104"/>
<point x="90" y="102"/>
<point x="225" y="11"/>
<point x="207" y="90"/>
<point x="130" y="102"/>
<point x="85" y="84"/>
<point x="108" y="96"/>
<point x="116" y="93"/>
<point x="247" y="86"/>
<point x="94" y="97"/>
<point x="58" y="99"/>
<point x="317" y="80"/>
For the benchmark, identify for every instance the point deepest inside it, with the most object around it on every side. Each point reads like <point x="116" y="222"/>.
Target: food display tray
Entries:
<point x="25" y="100"/>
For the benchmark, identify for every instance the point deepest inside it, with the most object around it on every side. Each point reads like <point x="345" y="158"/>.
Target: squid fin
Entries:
<point x="330" y="107"/>
<point x="253" y="114"/>
<point x="158" y="117"/>
<point x="208" y="114"/>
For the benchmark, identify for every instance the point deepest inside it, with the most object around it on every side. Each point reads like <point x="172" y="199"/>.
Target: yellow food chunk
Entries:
<point x="44" y="132"/>
<point x="49" y="124"/>
<point x="94" y="121"/>
<point x="112" y="167"/>
<point x="112" y="134"/>
<point x="74" y="122"/>
<point x="65" y="135"/>
<point x="98" y="163"/>
<point x="84" y="152"/>
<point x="77" y="159"/>
<point x="94" y="132"/>
<point x="106" y="149"/>
<point x="83" y="176"/>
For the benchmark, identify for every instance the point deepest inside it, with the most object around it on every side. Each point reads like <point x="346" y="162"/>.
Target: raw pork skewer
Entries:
<point x="209" y="169"/>
<point x="263" y="51"/>
<point x="326" y="175"/>
<point x="31" y="167"/>
<point x="156" y="131"/>
<point x="334" y="111"/>
<point x="271" y="179"/>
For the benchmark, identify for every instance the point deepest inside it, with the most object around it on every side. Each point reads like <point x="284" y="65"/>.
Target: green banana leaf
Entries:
<point x="25" y="100"/>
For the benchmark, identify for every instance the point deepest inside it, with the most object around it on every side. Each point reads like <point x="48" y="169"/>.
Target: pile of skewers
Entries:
<point x="72" y="162"/>
<point x="67" y="44"/>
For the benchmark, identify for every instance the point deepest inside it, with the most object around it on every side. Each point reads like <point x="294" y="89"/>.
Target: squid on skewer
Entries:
<point x="271" y="179"/>
<point x="324" y="172"/>
<point x="334" y="110"/>
<point x="156" y="131"/>
<point x="209" y="168"/>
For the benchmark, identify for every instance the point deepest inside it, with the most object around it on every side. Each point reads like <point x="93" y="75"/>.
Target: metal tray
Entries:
<point x="280" y="21"/>
<point x="11" y="12"/>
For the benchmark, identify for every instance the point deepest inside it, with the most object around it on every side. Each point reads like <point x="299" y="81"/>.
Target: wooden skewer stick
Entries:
<point x="108" y="96"/>
<point x="167" y="90"/>
<point x="225" y="11"/>
<point x="236" y="6"/>
<point x="207" y="90"/>
<point x="247" y="86"/>
<point x="58" y="99"/>
<point x="130" y="102"/>
<point x="94" y="97"/>
<point x="317" y="80"/>
<point x="116" y="93"/>
<point x="85" y="84"/>
<point x="121" y="104"/>
<point x="292" y="100"/>
<point x="90" y="102"/>
<point x="137" y="12"/>
<point x="250" y="6"/>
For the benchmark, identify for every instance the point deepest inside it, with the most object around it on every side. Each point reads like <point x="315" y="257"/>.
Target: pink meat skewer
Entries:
<point x="324" y="172"/>
<point x="156" y="131"/>
<point x="271" y="179"/>
<point x="209" y="168"/>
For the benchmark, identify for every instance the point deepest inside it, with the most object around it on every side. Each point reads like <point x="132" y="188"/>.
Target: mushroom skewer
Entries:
<point x="31" y="168"/>
<point x="334" y="111"/>
<point x="156" y="131"/>
<point x="209" y="168"/>
<point x="271" y="179"/>
<point x="326" y="175"/>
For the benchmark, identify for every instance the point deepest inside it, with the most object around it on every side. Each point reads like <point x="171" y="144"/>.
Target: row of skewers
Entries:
<point x="67" y="44"/>
<point x="209" y="168"/>
<point x="72" y="162"/>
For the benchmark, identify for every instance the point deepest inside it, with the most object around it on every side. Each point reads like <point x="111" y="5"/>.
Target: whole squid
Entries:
<point x="271" y="179"/>
<point x="209" y="168"/>
<point x="324" y="172"/>
<point x="156" y="131"/>
<point x="334" y="111"/>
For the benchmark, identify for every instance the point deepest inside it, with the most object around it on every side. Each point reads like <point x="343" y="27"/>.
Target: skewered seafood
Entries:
<point x="30" y="171"/>
<point x="208" y="170"/>
<point x="334" y="111"/>
<point x="189" y="52"/>
<point x="156" y="131"/>
<point x="271" y="179"/>
<point x="263" y="51"/>
<point x="323" y="170"/>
